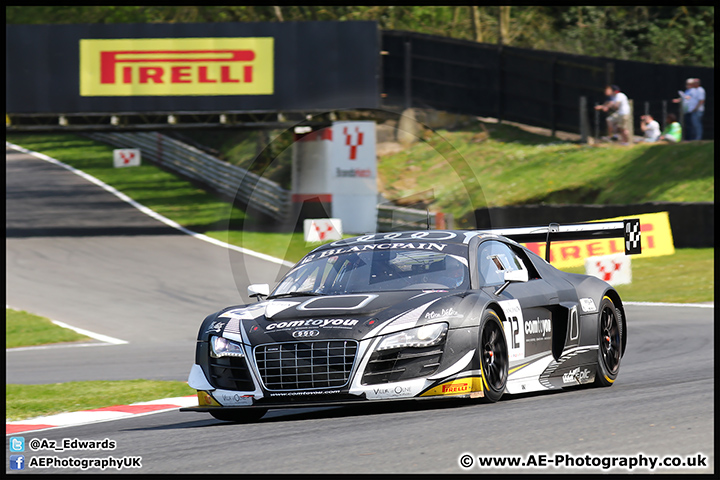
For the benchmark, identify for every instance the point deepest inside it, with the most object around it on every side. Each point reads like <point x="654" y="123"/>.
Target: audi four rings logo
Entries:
<point x="306" y="333"/>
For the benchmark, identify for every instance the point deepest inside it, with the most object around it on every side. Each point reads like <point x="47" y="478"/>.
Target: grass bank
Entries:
<point x="515" y="167"/>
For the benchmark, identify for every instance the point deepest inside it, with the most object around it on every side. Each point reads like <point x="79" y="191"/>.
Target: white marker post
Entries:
<point x="126" y="157"/>
<point x="614" y="269"/>
<point x="322" y="229"/>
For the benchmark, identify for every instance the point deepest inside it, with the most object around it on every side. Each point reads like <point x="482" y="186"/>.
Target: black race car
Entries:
<point x="423" y="314"/>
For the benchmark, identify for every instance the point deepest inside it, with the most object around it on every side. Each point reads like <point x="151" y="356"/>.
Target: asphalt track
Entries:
<point x="77" y="254"/>
<point x="151" y="287"/>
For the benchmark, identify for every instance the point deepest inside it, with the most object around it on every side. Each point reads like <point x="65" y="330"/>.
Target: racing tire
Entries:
<point x="240" y="416"/>
<point x="610" y="341"/>
<point x="493" y="354"/>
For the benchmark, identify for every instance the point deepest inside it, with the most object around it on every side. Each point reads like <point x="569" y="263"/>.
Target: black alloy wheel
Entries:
<point x="610" y="336"/>
<point x="493" y="356"/>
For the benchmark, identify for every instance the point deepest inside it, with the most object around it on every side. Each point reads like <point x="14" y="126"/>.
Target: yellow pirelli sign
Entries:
<point x="656" y="240"/>
<point x="176" y="66"/>
<point x="459" y="386"/>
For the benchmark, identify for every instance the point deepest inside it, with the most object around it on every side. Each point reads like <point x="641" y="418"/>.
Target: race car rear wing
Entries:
<point x="629" y="229"/>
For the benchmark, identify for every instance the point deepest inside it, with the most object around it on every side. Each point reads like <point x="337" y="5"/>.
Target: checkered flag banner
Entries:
<point x="632" y="236"/>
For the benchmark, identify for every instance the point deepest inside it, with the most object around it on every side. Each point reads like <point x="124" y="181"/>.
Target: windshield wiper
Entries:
<point x="295" y="294"/>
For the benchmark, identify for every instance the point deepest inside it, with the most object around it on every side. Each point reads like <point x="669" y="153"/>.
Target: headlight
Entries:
<point x="222" y="347"/>
<point x="425" y="336"/>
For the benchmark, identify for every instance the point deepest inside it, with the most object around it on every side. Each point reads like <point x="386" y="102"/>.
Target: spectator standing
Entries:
<point x="619" y="120"/>
<point x="650" y="128"/>
<point x="673" y="130"/>
<point x="689" y="102"/>
<point x="696" y="113"/>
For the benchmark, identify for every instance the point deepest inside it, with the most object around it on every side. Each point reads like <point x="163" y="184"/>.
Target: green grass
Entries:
<point x="688" y="276"/>
<point x="289" y="246"/>
<point x="23" y="329"/>
<point x="515" y="167"/>
<point x="28" y="401"/>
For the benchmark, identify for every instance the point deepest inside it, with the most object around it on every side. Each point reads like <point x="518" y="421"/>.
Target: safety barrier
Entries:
<point x="249" y="189"/>
<point x="230" y="181"/>
<point x="394" y="218"/>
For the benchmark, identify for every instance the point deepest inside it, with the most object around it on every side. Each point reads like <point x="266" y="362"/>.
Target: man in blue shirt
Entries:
<point x="696" y="109"/>
<point x="693" y="102"/>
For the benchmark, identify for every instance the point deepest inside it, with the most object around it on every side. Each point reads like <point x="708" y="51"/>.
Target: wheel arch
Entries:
<point x="617" y="302"/>
<point x="497" y="309"/>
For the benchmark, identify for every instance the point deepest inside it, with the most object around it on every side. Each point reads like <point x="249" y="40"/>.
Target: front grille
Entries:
<point x="306" y="365"/>
<point x="231" y="373"/>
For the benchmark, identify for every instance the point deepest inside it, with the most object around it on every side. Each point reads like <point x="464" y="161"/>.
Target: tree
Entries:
<point x="683" y="35"/>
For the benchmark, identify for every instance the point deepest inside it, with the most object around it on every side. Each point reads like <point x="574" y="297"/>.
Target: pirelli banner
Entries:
<point x="210" y="67"/>
<point x="656" y="240"/>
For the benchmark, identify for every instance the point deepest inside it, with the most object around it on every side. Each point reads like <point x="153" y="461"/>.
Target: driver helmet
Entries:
<point x="455" y="271"/>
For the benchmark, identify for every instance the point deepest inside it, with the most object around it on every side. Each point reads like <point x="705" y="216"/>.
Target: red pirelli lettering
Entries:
<point x="571" y="251"/>
<point x="151" y="73"/>
<point x="109" y="60"/>
<point x="180" y="75"/>
<point x="614" y="247"/>
<point x="225" y="75"/>
<point x="203" y="76"/>
<point x="594" y="249"/>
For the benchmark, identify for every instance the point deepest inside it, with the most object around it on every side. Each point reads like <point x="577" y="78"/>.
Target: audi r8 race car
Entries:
<point x="421" y="315"/>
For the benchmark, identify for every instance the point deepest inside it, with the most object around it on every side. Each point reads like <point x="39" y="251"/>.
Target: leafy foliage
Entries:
<point x="682" y="35"/>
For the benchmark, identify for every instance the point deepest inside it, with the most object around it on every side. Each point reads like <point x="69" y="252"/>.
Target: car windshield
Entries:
<point x="372" y="271"/>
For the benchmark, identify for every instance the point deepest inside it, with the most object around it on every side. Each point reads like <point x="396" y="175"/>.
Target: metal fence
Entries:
<point x="535" y="87"/>
<point x="230" y="181"/>
<point x="392" y="218"/>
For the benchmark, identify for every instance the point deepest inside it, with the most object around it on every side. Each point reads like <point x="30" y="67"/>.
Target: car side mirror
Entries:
<point x="509" y="276"/>
<point x="516" y="276"/>
<point x="258" y="290"/>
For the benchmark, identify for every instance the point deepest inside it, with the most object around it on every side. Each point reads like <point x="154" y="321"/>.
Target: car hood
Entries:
<point x="352" y="316"/>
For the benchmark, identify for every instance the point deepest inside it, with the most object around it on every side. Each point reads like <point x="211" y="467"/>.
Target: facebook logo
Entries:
<point x="17" y="462"/>
<point x="17" y="444"/>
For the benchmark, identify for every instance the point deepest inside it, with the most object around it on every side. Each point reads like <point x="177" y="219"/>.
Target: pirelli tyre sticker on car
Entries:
<point x="458" y="386"/>
<point x="514" y="329"/>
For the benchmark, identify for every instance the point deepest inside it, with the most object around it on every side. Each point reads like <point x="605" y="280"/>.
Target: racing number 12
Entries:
<point x="515" y="330"/>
